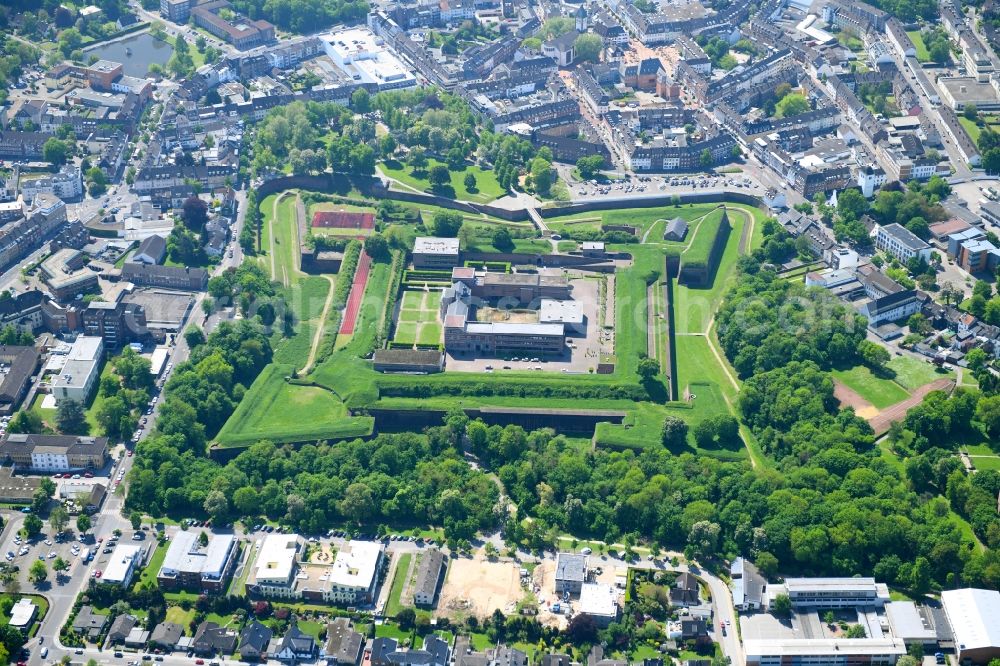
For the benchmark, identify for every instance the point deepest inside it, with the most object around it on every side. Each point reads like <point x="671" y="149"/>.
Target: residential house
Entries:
<point x="166" y="635"/>
<point x="121" y="627"/>
<point x="210" y="639"/>
<point x="294" y="646"/>
<point x="749" y="586"/>
<point x="88" y="623"/>
<point x="571" y="572"/>
<point x="343" y="644"/>
<point x="428" y="575"/>
<point x="685" y="591"/>
<point x="254" y="640"/>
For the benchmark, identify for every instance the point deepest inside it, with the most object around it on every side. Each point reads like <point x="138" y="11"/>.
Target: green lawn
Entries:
<point x="406" y="333"/>
<point x="148" y="574"/>
<point x="178" y="615"/>
<point x="394" y="603"/>
<point x="430" y="333"/>
<point x="392" y="630"/>
<point x="487" y="187"/>
<point x="918" y="42"/>
<point x="971" y="127"/>
<point x="879" y="391"/>
<point x="912" y="374"/>
<point x="986" y="463"/>
<point x="273" y="409"/>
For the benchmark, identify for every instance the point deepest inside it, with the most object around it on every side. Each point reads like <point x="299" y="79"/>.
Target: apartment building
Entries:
<point x="54" y="453"/>
<point x="901" y="243"/>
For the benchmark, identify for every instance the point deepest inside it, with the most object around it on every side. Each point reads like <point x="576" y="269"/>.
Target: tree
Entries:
<point x="582" y="629"/>
<point x="216" y="505"/>
<point x="377" y="247"/>
<point x="502" y="240"/>
<point x="792" y="104"/>
<point x="940" y="52"/>
<point x="970" y="112"/>
<point x="647" y="368"/>
<point x="358" y="503"/>
<point x="135" y="518"/>
<point x="406" y="618"/>
<point x="361" y="101"/>
<point x="194" y="213"/>
<point x="851" y="204"/>
<point x="988" y="413"/>
<point x="54" y="151"/>
<point x="58" y="519"/>
<point x="541" y="175"/>
<point x="855" y="631"/>
<point x="194" y="336"/>
<point x="38" y="572"/>
<point x="439" y="176"/>
<point x="32" y="525"/>
<point x="417" y="158"/>
<point x="97" y="181"/>
<point x="25" y="422"/>
<point x="83" y="523"/>
<point x="470" y="182"/>
<point x="875" y="356"/>
<point x="705" y="159"/>
<point x="70" y="417"/>
<point x="446" y="224"/>
<point x="587" y="47"/>
<point x="781" y="606"/>
<point x="674" y="432"/>
<point x="589" y="166"/>
<point x="60" y="565"/>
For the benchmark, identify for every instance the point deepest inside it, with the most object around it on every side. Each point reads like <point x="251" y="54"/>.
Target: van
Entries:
<point x="44" y="652"/>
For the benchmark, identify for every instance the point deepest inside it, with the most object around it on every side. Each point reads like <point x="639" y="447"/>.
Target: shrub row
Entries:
<point x="346" y="275"/>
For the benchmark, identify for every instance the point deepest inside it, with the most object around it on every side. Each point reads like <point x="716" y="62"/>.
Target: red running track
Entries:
<point x="357" y="294"/>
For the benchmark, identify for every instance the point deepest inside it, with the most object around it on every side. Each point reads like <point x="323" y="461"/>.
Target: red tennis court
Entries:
<point x="357" y="294"/>
<point x="342" y="219"/>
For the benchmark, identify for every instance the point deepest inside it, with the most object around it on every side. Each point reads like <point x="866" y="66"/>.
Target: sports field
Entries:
<point x="879" y="391"/>
<point x="418" y="321"/>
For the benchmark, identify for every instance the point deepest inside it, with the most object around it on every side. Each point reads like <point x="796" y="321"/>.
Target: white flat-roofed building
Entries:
<point x="907" y="623"/>
<point x="355" y="572"/>
<point x="366" y="59"/>
<point x="600" y="602"/>
<point x="974" y="615"/>
<point x="901" y="243"/>
<point x="158" y="361"/>
<point x="836" y="592"/>
<point x="79" y="375"/>
<point x="22" y="614"/>
<point x="189" y="564"/>
<point x="568" y="313"/>
<point x="823" y="651"/>
<point x="121" y="565"/>
<point x="503" y="337"/>
<point x="435" y="253"/>
<point x="276" y="563"/>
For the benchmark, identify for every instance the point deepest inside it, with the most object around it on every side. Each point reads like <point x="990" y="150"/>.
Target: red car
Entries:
<point x="67" y="475"/>
<point x="130" y="454"/>
<point x="97" y="574"/>
<point x="88" y="475"/>
<point x="199" y="661"/>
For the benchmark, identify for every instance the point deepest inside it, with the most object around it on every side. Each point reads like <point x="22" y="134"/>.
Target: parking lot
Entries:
<point x="665" y="185"/>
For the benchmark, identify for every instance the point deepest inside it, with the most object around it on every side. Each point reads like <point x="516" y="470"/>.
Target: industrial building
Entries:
<point x="571" y="572"/>
<point x="600" y="602"/>
<point x="974" y="615"/>
<point x="836" y="592"/>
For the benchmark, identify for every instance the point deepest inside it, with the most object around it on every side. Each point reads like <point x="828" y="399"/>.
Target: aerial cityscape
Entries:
<point x="500" y="332"/>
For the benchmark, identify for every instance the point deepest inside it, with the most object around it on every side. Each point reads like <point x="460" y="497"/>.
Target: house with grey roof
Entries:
<point x="571" y="572"/>
<point x="121" y="627"/>
<point x="343" y="644"/>
<point x="152" y="250"/>
<point x="166" y="635"/>
<point x="294" y="646"/>
<point x="676" y="230"/>
<point x="89" y="623"/>
<point x="428" y="575"/>
<point x="254" y="640"/>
